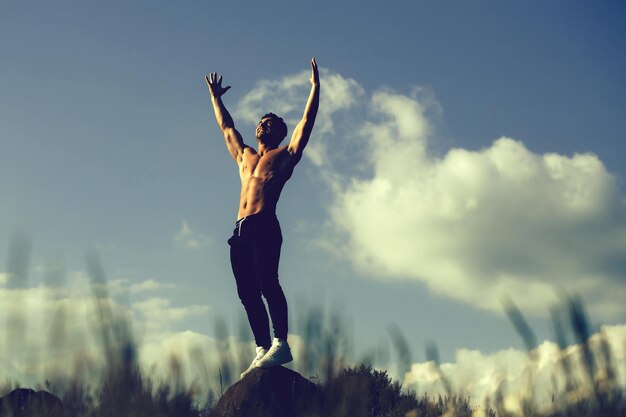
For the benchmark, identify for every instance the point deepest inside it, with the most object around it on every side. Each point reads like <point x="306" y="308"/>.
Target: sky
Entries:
<point x="464" y="152"/>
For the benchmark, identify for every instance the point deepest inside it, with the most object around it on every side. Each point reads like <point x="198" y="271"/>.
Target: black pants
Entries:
<point x="254" y="255"/>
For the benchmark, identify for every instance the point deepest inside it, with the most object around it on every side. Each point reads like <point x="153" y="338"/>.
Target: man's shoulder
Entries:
<point x="249" y="151"/>
<point x="247" y="148"/>
<point x="284" y="158"/>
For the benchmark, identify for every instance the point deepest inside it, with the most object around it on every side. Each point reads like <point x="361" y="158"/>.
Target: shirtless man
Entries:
<point x="256" y="241"/>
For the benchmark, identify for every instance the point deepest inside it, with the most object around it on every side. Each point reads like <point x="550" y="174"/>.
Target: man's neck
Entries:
<point x="263" y="148"/>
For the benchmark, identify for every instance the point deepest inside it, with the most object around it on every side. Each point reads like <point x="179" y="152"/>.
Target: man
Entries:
<point x="256" y="241"/>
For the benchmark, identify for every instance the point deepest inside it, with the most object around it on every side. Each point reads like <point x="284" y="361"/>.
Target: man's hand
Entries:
<point x="215" y="84"/>
<point x="315" y="75"/>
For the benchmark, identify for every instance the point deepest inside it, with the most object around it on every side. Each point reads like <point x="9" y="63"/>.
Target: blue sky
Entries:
<point x="109" y="142"/>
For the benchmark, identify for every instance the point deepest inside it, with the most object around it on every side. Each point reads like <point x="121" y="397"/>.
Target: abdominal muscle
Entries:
<point x="258" y="195"/>
<point x="262" y="180"/>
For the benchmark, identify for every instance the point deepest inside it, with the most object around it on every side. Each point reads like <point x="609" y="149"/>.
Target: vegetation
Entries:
<point x="348" y="390"/>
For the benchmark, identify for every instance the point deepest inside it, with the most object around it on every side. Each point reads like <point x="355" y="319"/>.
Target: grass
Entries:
<point x="350" y="388"/>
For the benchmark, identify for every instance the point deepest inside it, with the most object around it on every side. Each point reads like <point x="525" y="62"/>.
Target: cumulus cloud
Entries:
<point x="518" y="375"/>
<point x="122" y="286"/>
<point x="54" y="332"/>
<point x="287" y="98"/>
<point x="189" y="239"/>
<point x="58" y="334"/>
<point x="36" y="320"/>
<point x="194" y="352"/>
<point x="157" y="313"/>
<point x="471" y="224"/>
<point x="149" y="285"/>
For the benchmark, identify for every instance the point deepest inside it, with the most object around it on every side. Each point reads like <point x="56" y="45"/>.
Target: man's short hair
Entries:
<point x="280" y="125"/>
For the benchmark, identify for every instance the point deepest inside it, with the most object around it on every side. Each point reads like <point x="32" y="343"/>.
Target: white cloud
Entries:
<point x="56" y="333"/>
<point x="189" y="239"/>
<point x="287" y="98"/>
<point x="122" y="286"/>
<point x="473" y="225"/>
<point x="158" y="314"/>
<point x="46" y="331"/>
<point x="149" y="285"/>
<point x="194" y="351"/>
<point x="4" y="277"/>
<point x="480" y="375"/>
<point x="476" y="225"/>
<point x="39" y="333"/>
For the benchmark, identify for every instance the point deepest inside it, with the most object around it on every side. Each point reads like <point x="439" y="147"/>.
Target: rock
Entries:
<point x="272" y="392"/>
<point x="27" y="402"/>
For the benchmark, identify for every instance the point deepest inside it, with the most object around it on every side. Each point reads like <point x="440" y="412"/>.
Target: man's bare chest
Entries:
<point x="256" y="166"/>
<point x="264" y="167"/>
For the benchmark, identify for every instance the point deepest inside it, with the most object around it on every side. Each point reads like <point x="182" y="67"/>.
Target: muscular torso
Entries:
<point x="262" y="179"/>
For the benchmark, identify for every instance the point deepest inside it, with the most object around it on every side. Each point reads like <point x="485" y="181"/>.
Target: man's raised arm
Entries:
<point x="302" y="132"/>
<point x="234" y="141"/>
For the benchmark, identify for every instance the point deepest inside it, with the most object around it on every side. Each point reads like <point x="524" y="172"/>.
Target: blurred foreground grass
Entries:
<point x="351" y="388"/>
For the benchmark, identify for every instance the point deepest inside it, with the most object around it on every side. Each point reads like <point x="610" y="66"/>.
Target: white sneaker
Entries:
<point x="260" y="352"/>
<point x="278" y="354"/>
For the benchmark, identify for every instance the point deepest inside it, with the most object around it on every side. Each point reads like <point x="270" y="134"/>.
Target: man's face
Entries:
<point x="264" y="130"/>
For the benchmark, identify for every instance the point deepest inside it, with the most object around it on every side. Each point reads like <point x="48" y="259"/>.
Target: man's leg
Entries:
<point x="267" y="256"/>
<point x="266" y="260"/>
<point x="249" y="291"/>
